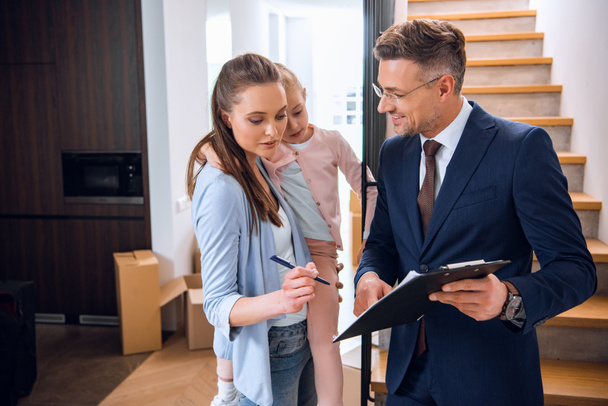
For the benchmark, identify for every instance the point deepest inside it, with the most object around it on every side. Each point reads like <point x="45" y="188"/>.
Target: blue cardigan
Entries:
<point x="234" y="265"/>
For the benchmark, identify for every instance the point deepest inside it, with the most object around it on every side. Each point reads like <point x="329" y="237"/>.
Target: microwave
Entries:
<point x="102" y="177"/>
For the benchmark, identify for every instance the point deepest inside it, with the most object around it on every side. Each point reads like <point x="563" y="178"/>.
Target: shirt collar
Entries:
<point x="450" y="135"/>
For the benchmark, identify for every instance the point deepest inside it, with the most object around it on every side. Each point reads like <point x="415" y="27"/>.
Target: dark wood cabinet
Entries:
<point x="69" y="260"/>
<point x="96" y="54"/>
<point x="34" y="250"/>
<point x="26" y="32"/>
<point x="90" y="265"/>
<point x="71" y="79"/>
<point x="30" y="153"/>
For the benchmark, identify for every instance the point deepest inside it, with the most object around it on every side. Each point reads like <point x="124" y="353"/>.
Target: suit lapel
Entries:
<point x="410" y="164"/>
<point x="474" y="142"/>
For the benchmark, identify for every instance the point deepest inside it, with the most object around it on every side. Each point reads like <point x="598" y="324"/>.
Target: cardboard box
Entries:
<point x="351" y="369"/>
<point x="137" y="296"/>
<point x="140" y="299"/>
<point x="199" y="333"/>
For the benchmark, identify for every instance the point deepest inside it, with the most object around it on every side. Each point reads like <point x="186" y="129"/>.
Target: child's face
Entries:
<point x="258" y="120"/>
<point x="297" y="130"/>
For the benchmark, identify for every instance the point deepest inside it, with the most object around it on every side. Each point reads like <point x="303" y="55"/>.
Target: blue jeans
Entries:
<point x="291" y="367"/>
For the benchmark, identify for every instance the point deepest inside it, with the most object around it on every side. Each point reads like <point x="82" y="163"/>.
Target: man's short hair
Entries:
<point x="437" y="47"/>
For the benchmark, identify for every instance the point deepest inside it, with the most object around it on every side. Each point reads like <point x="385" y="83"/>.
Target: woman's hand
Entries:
<point x="298" y="288"/>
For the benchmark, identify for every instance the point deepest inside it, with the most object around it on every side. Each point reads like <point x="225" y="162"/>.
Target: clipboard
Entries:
<point x="410" y="299"/>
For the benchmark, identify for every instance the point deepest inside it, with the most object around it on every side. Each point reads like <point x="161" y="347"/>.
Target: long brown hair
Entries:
<point x="236" y="76"/>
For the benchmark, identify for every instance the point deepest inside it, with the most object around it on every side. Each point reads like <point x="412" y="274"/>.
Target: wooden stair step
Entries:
<point x="593" y="313"/>
<point x="583" y="201"/>
<point x="574" y="382"/>
<point x="571" y="158"/>
<point x="510" y="61"/>
<point x="512" y="89"/>
<point x="544" y="121"/>
<point x="477" y="16"/>
<point x="378" y="373"/>
<point x="505" y="37"/>
<point x="598" y="250"/>
<point x="564" y="382"/>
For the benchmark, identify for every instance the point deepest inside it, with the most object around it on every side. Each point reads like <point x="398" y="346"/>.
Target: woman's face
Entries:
<point x="259" y="120"/>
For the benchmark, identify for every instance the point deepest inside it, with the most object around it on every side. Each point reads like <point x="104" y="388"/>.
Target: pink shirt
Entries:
<point x="319" y="162"/>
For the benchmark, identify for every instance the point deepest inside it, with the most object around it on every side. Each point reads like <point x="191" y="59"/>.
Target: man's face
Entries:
<point x="416" y="112"/>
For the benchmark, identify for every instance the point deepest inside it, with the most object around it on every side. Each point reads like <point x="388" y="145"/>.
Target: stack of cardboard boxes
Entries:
<point x="140" y="298"/>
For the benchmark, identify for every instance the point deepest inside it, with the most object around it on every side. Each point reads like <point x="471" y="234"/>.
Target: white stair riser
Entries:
<point x="465" y="6"/>
<point x="519" y="104"/>
<point x="508" y="75"/>
<point x="560" y="136"/>
<point x="524" y="48"/>
<point x="496" y="25"/>
<point x="602" y="278"/>
<point x="575" y="175"/>
<point x="589" y="222"/>
<point x="573" y="343"/>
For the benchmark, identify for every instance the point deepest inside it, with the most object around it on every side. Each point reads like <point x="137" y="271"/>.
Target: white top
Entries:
<point x="284" y="249"/>
<point x="301" y="201"/>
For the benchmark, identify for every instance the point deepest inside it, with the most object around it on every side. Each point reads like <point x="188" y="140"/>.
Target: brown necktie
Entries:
<point x="426" y="199"/>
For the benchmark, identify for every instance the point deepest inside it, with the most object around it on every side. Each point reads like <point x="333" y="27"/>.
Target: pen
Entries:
<point x="286" y="263"/>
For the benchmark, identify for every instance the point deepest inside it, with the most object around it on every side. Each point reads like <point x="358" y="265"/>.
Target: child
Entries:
<point x="305" y="168"/>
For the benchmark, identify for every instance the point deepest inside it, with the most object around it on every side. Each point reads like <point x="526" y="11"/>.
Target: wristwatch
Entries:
<point x="513" y="310"/>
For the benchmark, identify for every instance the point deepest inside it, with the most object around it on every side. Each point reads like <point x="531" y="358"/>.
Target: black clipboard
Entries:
<point x="410" y="299"/>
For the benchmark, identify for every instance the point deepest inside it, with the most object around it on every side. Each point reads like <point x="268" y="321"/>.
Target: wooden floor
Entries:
<point x="171" y="376"/>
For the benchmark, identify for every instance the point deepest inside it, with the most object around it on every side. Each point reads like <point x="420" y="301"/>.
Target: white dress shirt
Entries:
<point x="449" y="138"/>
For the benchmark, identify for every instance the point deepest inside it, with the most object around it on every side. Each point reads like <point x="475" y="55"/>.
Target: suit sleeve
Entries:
<point x="567" y="276"/>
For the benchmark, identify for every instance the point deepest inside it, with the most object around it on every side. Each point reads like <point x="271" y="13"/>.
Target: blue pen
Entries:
<point x="286" y="263"/>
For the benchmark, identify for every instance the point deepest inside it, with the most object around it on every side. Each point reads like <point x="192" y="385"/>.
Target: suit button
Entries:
<point x="424" y="268"/>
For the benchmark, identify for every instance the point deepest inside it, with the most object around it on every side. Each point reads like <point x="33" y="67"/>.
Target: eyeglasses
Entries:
<point x="394" y="98"/>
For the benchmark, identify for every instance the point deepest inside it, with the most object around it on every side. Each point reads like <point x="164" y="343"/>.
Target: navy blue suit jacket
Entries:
<point x="503" y="196"/>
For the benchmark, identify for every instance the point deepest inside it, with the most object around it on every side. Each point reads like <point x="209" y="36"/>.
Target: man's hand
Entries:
<point x="370" y="289"/>
<point x="481" y="299"/>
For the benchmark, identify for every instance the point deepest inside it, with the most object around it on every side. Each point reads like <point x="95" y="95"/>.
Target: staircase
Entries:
<point x="508" y="76"/>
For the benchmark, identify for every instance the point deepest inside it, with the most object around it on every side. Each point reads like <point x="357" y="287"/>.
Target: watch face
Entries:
<point x="513" y="307"/>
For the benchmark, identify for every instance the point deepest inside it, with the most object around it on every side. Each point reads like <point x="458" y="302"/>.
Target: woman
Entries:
<point x="240" y="221"/>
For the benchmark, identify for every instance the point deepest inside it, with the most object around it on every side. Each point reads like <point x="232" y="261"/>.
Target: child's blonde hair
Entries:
<point x="289" y="79"/>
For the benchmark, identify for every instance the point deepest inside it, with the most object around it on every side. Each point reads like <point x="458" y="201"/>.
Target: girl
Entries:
<point x="240" y="221"/>
<point x="306" y="168"/>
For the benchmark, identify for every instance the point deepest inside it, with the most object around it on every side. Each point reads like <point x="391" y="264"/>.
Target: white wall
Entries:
<point x="175" y="70"/>
<point x="576" y="36"/>
<point x="249" y="20"/>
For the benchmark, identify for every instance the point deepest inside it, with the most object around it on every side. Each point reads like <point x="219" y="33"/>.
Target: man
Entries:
<point x="499" y="194"/>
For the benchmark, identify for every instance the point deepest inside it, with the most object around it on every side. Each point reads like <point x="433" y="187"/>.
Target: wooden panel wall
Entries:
<point x="26" y="32"/>
<point x="71" y="78"/>
<point x="29" y="146"/>
<point x="33" y="249"/>
<point x="97" y="66"/>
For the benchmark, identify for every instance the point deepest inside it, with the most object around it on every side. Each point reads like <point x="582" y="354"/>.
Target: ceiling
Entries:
<point x="290" y="8"/>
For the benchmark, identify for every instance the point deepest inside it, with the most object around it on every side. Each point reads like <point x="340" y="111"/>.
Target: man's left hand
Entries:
<point x="481" y="299"/>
